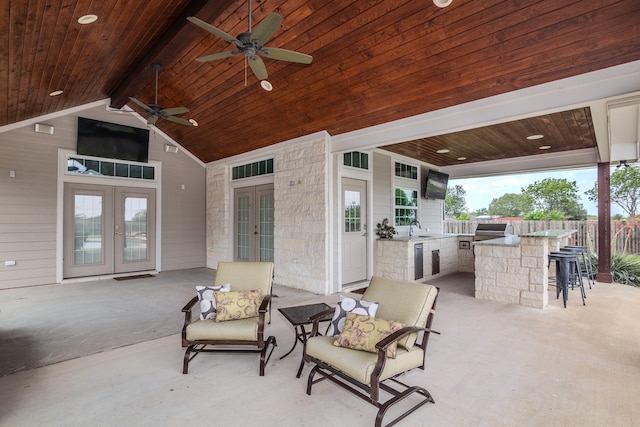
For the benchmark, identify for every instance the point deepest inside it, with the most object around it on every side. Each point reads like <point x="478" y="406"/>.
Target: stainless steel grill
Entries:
<point x="492" y="231"/>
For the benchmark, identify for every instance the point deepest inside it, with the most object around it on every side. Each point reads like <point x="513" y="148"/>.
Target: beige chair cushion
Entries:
<point x="245" y="276"/>
<point x="360" y="364"/>
<point x="238" y="330"/>
<point x="405" y="302"/>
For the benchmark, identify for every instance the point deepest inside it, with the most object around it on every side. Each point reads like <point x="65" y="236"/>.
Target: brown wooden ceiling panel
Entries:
<point x="563" y="131"/>
<point x="374" y="61"/>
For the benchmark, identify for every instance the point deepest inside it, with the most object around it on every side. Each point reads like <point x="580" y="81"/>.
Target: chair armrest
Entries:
<point x="384" y="343"/>
<point x="190" y="304"/>
<point x="187" y="318"/>
<point x="316" y="318"/>
<point x="265" y="304"/>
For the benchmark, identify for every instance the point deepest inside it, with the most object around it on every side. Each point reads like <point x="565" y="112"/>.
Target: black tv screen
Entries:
<point x="112" y="141"/>
<point x="436" y="186"/>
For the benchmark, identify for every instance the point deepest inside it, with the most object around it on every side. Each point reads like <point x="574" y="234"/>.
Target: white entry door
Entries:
<point x="108" y="230"/>
<point x="354" y="231"/>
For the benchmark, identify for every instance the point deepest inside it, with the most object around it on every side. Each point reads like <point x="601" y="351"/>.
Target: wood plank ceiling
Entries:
<point x="374" y="61"/>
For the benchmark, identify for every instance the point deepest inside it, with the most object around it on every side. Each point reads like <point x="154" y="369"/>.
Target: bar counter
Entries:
<point x="513" y="269"/>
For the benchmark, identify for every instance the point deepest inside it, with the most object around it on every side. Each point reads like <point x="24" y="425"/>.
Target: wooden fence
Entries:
<point x="625" y="235"/>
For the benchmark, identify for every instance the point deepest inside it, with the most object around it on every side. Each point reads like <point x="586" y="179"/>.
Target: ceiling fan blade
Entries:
<point x="174" y="111"/>
<point x="152" y="119"/>
<point x="142" y="104"/>
<point x="257" y="66"/>
<point x="213" y="30"/>
<point x="219" y="55"/>
<point x="286" y="55"/>
<point x="178" y="120"/>
<point x="267" y="27"/>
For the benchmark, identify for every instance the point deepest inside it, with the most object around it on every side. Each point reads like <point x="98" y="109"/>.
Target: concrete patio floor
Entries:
<point x="107" y="353"/>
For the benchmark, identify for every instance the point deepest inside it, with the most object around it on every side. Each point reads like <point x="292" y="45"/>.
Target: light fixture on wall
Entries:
<point x="42" y="128"/>
<point x="442" y="3"/>
<point x="621" y="164"/>
<point x="168" y="148"/>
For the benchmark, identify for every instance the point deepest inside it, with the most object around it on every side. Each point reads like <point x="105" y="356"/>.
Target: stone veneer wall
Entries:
<point x="218" y="215"/>
<point x="515" y="274"/>
<point x="301" y="215"/>
<point x="466" y="259"/>
<point x="395" y="259"/>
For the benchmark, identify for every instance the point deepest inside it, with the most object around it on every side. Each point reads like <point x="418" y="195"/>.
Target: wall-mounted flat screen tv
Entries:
<point x="436" y="186"/>
<point x="112" y="141"/>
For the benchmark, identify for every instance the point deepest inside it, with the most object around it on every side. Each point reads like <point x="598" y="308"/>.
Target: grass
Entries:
<point x="624" y="267"/>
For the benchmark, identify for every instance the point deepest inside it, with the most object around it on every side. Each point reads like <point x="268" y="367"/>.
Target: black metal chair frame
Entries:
<point x="261" y="345"/>
<point x="372" y="393"/>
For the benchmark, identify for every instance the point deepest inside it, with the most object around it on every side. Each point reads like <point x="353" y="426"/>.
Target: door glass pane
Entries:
<point x="266" y="228"/>
<point x="243" y="228"/>
<point x="87" y="235"/>
<point x="135" y="225"/>
<point x="352" y="211"/>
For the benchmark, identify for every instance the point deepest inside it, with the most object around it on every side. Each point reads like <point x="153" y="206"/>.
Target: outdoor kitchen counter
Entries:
<point x="512" y="272"/>
<point x="437" y="254"/>
<point x="501" y="241"/>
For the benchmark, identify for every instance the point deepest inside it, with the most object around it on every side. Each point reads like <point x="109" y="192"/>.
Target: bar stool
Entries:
<point x="585" y="254"/>
<point x="567" y="271"/>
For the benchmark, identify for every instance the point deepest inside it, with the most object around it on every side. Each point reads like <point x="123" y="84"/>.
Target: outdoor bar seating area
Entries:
<point x="518" y="269"/>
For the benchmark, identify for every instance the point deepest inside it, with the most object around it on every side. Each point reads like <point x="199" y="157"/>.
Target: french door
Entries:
<point x="253" y="223"/>
<point x="108" y="230"/>
<point x="354" y="231"/>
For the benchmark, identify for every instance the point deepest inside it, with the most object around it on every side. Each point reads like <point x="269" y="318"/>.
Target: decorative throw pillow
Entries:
<point x="207" y="301"/>
<point x="237" y="305"/>
<point x="364" y="332"/>
<point x="346" y="305"/>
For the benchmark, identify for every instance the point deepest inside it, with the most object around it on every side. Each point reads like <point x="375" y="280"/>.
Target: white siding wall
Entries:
<point x="28" y="202"/>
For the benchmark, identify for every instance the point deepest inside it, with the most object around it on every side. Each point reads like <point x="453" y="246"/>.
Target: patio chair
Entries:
<point x="404" y="307"/>
<point x="242" y="312"/>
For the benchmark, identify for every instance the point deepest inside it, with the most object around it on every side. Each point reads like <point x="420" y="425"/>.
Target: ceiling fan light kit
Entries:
<point x="442" y="3"/>
<point x="252" y="45"/>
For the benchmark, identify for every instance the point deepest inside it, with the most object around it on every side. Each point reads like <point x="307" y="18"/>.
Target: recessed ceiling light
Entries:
<point x="443" y="151"/>
<point x="536" y="136"/>
<point x="56" y="93"/>
<point x="87" y="19"/>
<point x="266" y="85"/>
<point x="544" y="147"/>
<point x="193" y="122"/>
<point x="462" y="158"/>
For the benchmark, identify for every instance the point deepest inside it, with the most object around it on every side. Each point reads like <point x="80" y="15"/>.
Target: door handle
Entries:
<point x="119" y="233"/>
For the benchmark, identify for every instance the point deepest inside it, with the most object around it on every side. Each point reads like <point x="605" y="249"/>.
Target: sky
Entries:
<point x="481" y="191"/>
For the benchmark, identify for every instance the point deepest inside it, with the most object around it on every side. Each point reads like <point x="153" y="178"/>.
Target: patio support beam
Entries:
<point x="604" y="224"/>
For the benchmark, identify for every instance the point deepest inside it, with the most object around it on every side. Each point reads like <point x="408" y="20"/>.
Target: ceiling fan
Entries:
<point x="156" y="112"/>
<point x="251" y="44"/>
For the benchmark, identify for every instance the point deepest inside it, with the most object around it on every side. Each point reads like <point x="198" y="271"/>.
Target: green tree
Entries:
<point x="511" y="205"/>
<point x="455" y="202"/>
<point x="554" y="194"/>
<point x="552" y="215"/>
<point x="625" y="189"/>
<point x="481" y="211"/>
